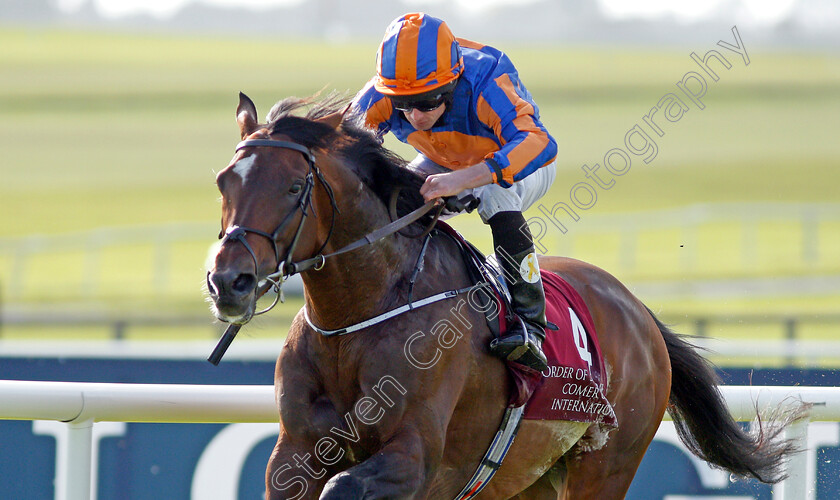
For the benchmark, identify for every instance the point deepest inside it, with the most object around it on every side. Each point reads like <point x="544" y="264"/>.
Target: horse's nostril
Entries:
<point x="211" y="287"/>
<point x="244" y="283"/>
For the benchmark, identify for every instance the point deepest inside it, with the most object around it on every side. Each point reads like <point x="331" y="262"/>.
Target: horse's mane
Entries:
<point x="379" y="169"/>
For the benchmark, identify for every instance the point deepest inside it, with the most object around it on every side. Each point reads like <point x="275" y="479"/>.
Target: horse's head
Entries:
<point x="266" y="197"/>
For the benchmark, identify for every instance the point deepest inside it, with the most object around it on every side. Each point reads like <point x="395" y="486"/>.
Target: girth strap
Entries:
<point x="492" y="460"/>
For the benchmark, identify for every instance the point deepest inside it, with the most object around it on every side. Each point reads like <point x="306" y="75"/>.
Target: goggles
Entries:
<point x="424" y="105"/>
<point x="424" y="102"/>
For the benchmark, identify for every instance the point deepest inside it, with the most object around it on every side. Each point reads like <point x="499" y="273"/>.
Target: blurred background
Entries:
<point x="116" y="115"/>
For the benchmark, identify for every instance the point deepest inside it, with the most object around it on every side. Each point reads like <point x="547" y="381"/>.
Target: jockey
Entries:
<point x="477" y="130"/>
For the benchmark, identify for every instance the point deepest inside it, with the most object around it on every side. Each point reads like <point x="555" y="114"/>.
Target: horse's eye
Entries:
<point x="296" y="187"/>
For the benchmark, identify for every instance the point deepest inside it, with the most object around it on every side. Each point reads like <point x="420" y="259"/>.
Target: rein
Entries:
<point x="285" y="267"/>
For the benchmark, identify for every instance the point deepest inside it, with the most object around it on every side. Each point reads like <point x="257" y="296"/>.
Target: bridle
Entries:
<point x="285" y="267"/>
<point x="303" y="205"/>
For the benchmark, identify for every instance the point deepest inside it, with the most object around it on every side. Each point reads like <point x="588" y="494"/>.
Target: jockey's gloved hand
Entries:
<point x="456" y="205"/>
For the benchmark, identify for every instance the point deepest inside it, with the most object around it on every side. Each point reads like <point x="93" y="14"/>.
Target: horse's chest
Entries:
<point x="342" y="430"/>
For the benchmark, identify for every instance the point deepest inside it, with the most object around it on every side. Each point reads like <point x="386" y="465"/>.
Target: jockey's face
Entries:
<point x="424" y="120"/>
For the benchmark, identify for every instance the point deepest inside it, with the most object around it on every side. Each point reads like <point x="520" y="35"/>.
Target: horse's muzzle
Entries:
<point x="233" y="295"/>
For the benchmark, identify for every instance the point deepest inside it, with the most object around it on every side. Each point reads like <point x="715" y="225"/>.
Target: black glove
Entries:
<point x="456" y="205"/>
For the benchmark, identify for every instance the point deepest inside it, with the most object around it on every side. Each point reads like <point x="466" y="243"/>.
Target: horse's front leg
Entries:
<point x="293" y="472"/>
<point x="399" y="470"/>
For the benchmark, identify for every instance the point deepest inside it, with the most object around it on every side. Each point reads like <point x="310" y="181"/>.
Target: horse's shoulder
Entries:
<point x="296" y="351"/>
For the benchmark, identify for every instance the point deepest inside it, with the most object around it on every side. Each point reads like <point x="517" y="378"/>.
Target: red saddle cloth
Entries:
<point x="574" y="385"/>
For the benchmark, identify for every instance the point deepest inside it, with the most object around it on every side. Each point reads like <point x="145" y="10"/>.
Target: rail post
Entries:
<point x="795" y="486"/>
<point x="78" y="455"/>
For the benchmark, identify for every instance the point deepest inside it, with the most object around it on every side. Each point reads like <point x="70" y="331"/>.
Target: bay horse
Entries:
<point x="357" y="419"/>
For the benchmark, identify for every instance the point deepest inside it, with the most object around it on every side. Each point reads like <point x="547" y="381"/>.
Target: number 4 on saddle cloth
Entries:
<point x="573" y="386"/>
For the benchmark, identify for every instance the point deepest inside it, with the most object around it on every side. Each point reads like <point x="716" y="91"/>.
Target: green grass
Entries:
<point x="105" y="129"/>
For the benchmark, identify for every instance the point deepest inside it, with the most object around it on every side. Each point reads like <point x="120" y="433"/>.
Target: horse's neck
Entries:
<point x="356" y="285"/>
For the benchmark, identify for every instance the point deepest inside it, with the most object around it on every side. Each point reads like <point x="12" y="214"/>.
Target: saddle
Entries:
<point x="574" y="385"/>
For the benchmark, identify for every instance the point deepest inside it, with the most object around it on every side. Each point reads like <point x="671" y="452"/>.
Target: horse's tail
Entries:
<point x="705" y="426"/>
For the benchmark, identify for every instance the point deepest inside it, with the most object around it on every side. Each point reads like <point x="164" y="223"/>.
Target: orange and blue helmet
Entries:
<point x="418" y="54"/>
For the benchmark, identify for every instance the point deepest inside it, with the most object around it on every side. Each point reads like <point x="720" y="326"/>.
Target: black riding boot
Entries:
<point x="522" y="342"/>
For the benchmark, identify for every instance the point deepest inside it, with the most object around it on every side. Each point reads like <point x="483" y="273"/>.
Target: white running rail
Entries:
<point x="80" y="405"/>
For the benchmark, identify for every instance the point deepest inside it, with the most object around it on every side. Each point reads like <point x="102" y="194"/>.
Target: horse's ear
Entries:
<point x="334" y="119"/>
<point x="246" y="115"/>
